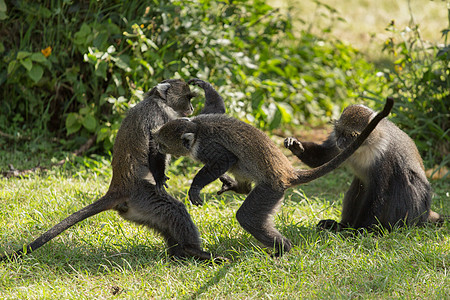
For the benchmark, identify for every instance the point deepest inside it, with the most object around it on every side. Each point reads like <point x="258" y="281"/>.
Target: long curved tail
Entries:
<point x="104" y="203"/>
<point x="304" y="176"/>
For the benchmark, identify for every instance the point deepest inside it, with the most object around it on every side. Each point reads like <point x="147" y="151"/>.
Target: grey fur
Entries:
<point x="137" y="189"/>
<point x="224" y="144"/>
<point x="389" y="188"/>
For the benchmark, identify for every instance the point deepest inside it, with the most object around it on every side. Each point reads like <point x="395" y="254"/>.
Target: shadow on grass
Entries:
<point x="219" y="274"/>
<point x="98" y="261"/>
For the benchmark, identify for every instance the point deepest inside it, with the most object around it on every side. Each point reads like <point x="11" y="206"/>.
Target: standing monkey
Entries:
<point x="136" y="190"/>
<point x="389" y="188"/>
<point x="224" y="144"/>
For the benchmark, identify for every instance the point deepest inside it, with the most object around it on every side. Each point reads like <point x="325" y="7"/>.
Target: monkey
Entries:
<point x="223" y="143"/>
<point x="136" y="190"/>
<point x="389" y="187"/>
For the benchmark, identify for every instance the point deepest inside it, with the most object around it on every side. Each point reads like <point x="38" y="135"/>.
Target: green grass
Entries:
<point x="104" y="254"/>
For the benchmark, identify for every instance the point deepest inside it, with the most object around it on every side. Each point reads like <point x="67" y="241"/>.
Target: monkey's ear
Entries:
<point x="188" y="139"/>
<point x="162" y="89"/>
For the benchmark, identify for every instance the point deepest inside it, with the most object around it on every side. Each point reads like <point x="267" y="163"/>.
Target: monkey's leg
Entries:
<point x="217" y="161"/>
<point x="167" y="216"/>
<point x="255" y="216"/>
<point x="157" y="165"/>
<point x="359" y="208"/>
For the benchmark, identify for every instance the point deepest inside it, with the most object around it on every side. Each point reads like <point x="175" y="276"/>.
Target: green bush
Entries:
<point x="73" y="68"/>
<point x="421" y="83"/>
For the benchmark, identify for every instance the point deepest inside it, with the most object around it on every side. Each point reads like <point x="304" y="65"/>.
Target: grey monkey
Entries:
<point x="136" y="190"/>
<point x="389" y="186"/>
<point x="224" y="144"/>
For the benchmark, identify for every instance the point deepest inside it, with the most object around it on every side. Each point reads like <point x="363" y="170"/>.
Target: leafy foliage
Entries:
<point x="75" y="67"/>
<point x="421" y="82"/>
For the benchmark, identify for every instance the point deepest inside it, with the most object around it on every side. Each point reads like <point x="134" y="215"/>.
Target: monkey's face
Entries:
<point x="344" y="137"/>
<point x="175" y="137"/>
<point x="352" y="122"/>
<point x="179" y="97"/>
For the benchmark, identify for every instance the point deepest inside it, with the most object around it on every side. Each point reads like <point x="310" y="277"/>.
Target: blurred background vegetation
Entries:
<point x="69" y="70"/>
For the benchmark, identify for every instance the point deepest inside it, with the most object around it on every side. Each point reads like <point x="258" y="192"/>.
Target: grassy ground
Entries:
<point x="106" y="257"/>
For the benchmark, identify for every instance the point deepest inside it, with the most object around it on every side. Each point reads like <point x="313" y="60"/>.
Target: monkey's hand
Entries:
<point x="201" y="83"/>
<point x="294" y="145"/>
<point x="194" y="196"/>
<point x="228" y="184"/>
<point x="214" y="103"/>
<point x="161" y="184"/>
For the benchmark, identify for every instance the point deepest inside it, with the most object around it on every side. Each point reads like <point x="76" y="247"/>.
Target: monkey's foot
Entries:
<point x="228" y="184"/>
<point x="194" y="196"/>
<point x="284" y="247"/>
<point x="205" y="256"/>
<point x="328" y="224"/>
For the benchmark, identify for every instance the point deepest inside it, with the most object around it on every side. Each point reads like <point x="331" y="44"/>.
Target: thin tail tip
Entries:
<point x="388" y="106"/>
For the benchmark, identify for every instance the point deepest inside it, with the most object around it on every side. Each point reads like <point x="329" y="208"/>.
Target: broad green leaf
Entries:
<point x="2" y="6"/>
<point x="44" y="12"/>
<point x="23" y="54"/>
<point x="285" y="111"/>
<point x="85" y="110"/>
<point x="276" y="121"/>
<point x="84" y="30"/>
<point x="36" y="73"/>
<point x="89" y="123"/>
<point x="11" y="66"/>
<point x="27" y="63"/>
<point x="38" y="57"/>
<point x="72" y="123"/>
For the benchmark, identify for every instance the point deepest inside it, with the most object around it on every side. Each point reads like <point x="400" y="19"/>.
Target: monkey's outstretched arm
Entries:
<point x="217" y="161"/>
<point x="214" y="103"/>
<point x="157" y="165"/>
<point x="311" y="153"/>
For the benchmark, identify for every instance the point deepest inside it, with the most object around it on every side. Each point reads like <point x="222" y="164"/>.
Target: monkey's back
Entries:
<point x="131" y="146"/>
<point x="259" y="159"/>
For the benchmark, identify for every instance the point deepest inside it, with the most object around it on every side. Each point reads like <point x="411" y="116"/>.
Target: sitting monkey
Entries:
<point x="389" y="186"/>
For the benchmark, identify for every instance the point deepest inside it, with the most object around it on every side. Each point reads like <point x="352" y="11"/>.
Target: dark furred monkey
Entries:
<point x="389" y="188"/>
<point x="137" y="186"/>
<point x="224" y="144"/>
